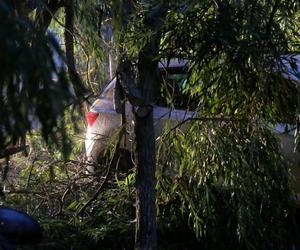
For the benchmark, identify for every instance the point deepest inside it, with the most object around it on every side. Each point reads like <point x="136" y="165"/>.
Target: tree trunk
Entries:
<point x="80" y="90"/>
<point x="146" y="237"/>
<point x="141" y="99"/>
<point x="141" y="96"/>
<point x="145" y="148"/>
<point x="145" y="184"/>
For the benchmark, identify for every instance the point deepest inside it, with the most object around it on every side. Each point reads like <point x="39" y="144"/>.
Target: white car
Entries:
<point x="104" y="122"/>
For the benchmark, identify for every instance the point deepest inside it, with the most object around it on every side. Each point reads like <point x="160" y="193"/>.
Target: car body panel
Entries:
<point x="108" y="122"/>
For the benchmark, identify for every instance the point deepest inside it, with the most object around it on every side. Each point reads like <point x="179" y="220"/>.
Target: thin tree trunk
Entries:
<point x="145" y="184"/>
<point x="146" y="237"/>
<point x="80" y="90"/>
<point x="141" y="96"/>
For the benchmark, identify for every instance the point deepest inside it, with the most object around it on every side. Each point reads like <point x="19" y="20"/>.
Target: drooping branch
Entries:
<point x="80" y="90"/>
<point x="204" y="119"/>
<point x="45" y="13"/>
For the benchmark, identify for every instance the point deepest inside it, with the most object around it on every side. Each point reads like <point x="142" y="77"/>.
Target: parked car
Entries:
<point x="104" y="121"/>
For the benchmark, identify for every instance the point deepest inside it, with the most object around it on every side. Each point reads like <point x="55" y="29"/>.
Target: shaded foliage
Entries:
<point x="34" y="89"/>
<point x="234" y="48"/>
<point x="236" y="183"/>
<point x="225" y="178"/>
<point x="228" y="176"/>
<point x="54" y="191"/>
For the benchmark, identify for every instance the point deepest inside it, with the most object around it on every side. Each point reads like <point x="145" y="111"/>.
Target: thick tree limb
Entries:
<point x="126" y="79"/>
<point x="45" y="13"/>
<point x="126" y="86"/>
<point x="272" y="15"/>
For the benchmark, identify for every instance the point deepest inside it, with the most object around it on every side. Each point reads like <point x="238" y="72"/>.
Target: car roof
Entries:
<point x="290" y="64"/>
<point x="173" y="63"/>
<point x="291" y="67"/>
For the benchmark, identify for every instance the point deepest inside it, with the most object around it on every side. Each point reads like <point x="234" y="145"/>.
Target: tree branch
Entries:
<point x="45" y="13"/>
<point x="271" y="18"/>
<point x="125" y="77"/>
<point x="11" y="151"/>
<point x="204" y="119"/>
<point x="80" y="90"/>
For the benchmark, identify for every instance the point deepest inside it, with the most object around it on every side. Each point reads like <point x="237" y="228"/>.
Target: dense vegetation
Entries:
<point x="223" y="184"/>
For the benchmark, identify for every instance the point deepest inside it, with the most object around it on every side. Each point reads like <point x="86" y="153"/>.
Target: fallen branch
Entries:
<point x="11" y="151"/>
<point x="98" y="191"/>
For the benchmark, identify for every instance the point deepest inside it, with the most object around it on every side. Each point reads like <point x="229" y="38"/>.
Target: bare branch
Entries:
<point x="204" y="119"/>
<point x="11" y="151"/>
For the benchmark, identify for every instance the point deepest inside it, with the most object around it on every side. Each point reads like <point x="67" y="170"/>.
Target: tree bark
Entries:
<point x="146" y="235"/>
<point x="141" y="97"/>
<point x="79" y="89"/>
<point x="145" y="184"/>
<point x="145" y="148"/>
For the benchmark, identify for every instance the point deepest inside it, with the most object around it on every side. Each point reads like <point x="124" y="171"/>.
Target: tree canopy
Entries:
<point x="225" y="176"/>
<point x="236" y="51"/>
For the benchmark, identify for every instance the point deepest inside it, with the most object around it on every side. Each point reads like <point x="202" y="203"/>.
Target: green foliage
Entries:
<point x="131" y="25"/>
<point x="223" y="177"/>
<point x="234" y="48"/>
<point x="54" y="190"/>
<point x="96" y="50"/>
<point x="33" y="89"/>
<point x="229" y="180"/>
